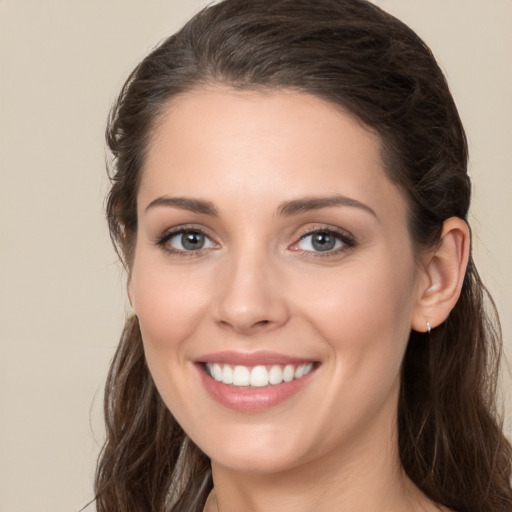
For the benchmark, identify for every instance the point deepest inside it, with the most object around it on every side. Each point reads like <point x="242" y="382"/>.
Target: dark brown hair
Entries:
<point x="354" y="55"/>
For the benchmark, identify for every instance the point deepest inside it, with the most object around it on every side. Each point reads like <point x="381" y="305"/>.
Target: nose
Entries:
<point x="251" y="297"/>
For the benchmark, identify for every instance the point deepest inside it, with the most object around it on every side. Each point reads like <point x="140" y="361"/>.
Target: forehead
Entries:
<point x="228" y="144"/>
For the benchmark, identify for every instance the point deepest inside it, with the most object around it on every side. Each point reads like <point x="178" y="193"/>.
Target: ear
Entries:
<point x="442" y="276"/>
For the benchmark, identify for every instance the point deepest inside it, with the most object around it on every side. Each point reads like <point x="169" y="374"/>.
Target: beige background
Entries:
<point x="62" y="298"/>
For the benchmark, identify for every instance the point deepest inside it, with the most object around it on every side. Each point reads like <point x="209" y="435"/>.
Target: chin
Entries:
<point x="257" y="450"/>
<point x="259" y="463"/>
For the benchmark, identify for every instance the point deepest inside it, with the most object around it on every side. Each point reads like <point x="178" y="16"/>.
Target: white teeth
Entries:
<point x="257" y="376"/>
<point x="302" y="370"/>
<point x="217" y="372"/>
<point x="227" y="374"/>
<point x="289" y="373"/>
<point x="241" y="376"/>
<point x="275" y="375"/>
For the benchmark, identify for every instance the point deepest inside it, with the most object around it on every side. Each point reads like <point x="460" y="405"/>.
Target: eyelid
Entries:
<point x="162" y="239"/>
<point x="347" y="239"/>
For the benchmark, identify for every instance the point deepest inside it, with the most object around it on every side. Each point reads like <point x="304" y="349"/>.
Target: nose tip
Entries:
<point x="250" y="301"/>
<point x="245" y="324"/>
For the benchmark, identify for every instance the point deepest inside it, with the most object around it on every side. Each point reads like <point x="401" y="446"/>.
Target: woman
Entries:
<point x="289" y="198"/>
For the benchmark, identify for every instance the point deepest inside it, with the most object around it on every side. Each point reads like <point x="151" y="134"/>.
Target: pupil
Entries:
<point x="192" y="240"/>
<point x="324" y="241"/>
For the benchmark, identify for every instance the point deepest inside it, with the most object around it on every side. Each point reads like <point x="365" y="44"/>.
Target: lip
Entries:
<point x="251" y="358"/>
<point x="252" y="399"/>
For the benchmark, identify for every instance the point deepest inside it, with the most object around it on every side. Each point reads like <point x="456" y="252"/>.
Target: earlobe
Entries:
<point x="443" y="275"/>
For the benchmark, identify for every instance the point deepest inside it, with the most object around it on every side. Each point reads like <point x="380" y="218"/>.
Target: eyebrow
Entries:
<point x="185" y="203"/>
<point x="306" y="204"/>
<point x="286" y="209"/>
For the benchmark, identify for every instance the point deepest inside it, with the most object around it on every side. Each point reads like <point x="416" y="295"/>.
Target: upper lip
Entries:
<point x="251" y="358"/>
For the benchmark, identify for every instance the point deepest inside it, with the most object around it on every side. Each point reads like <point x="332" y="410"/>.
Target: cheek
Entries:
<point x="168" y="302"/>
<point x="364" y="313"/>
<point x="363" y="318"/>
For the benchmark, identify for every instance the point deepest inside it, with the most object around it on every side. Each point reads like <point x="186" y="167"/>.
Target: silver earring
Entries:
<point x="429" y="328"/>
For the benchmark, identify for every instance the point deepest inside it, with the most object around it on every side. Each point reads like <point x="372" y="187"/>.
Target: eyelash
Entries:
<point x="162" y="241"/>
<point x="347" y="240"/>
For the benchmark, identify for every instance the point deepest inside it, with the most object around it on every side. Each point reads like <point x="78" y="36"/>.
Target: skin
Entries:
<point x="258" y="285"/>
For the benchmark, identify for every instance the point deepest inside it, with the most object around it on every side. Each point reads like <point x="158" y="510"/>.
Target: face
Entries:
<point x="274" y="277"/>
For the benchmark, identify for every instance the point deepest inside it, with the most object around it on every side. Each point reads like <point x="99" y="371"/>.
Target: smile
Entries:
<point x="254" y="382"/>
<point x="257" y="376"/>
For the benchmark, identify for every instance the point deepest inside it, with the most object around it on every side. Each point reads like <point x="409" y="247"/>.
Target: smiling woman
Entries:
<point x="289" y="197"/>
<point x="302" y="288"/>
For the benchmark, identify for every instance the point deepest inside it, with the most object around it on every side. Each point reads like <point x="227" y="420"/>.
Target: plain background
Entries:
<point x="62" y="301"/>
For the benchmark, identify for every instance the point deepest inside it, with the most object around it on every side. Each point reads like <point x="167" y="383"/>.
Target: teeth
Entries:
<point x="241" y="376"/>
<point x="257" y="376"/>
<point x="275" y="375"/>
<point x="303" y="369"/>
<point x="289" y="373"/>
<point x="217" y="372"/>
<point x="227" y="374"/>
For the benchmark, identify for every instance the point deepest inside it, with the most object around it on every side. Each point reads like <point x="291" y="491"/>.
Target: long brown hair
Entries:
<point x="352" y="54"/>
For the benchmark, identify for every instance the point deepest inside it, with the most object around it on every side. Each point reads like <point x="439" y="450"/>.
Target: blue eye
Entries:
<point x="323" y="241"/>
<point x="186" y="240"/>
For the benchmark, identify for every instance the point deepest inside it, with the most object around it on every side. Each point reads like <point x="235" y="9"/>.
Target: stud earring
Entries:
<point x="429" y="327"/>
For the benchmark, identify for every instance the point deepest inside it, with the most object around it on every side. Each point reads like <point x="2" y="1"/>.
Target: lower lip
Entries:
<point x="252" y="399"/>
